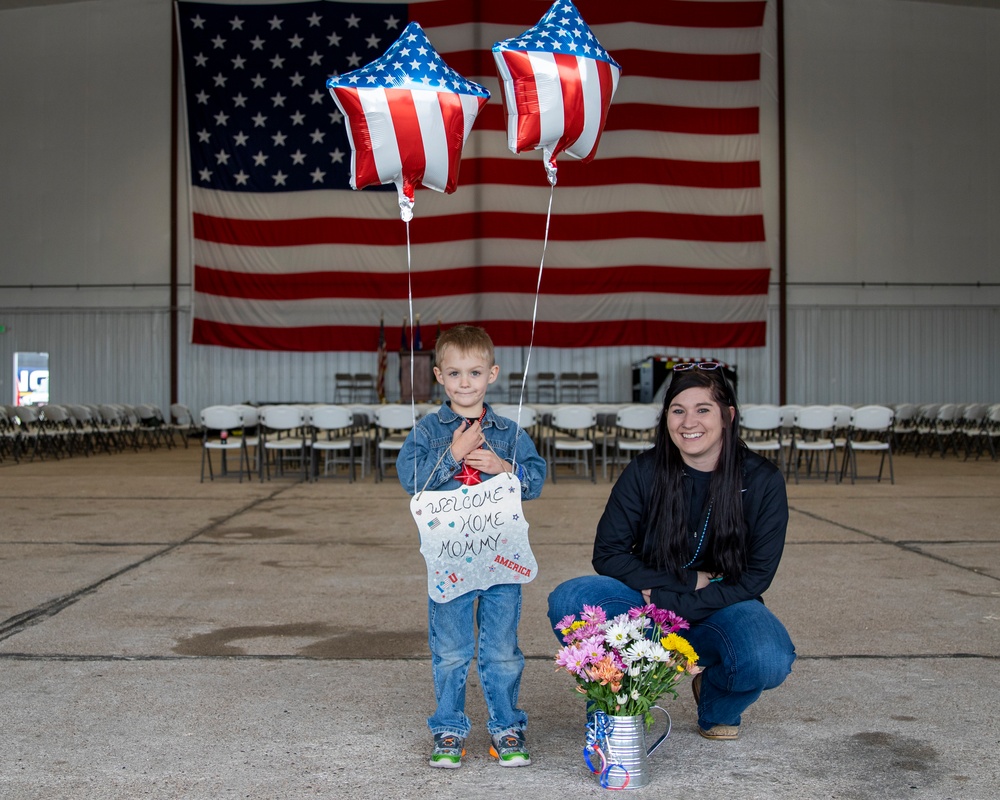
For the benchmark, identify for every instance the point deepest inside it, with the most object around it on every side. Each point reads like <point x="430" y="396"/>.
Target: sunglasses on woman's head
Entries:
<point x="704" y="366"/>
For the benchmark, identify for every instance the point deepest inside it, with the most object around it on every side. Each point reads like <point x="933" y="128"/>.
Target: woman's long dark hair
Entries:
<point x="667" y="543"/>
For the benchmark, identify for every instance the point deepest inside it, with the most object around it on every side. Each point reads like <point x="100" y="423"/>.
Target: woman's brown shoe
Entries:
<point x="721" y="732"/>
<point x="716" y="732"/>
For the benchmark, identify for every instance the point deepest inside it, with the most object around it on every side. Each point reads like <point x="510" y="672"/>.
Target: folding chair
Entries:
<point x="590" y="387"/>
<point x="545" y="387"/>
<point x="870" y="431"/>
<point x="569" y="387"/>
<point x="282" y="433"/>
<point x="762" y="432"/>
<point x="572" y="431"/>
<point x="528" y="420"/>
<point x="635" y="431"/>
<point x="218" y="424"/>
<point x="392" y="425"/>
<point x="343" y="387"/>
<point x="812" y="434"/>
<point x="332" y="430"/>
<point x="182" y="423"/>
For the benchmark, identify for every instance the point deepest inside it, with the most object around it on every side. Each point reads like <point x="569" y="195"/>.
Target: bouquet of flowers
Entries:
<point x="624" y="665"/>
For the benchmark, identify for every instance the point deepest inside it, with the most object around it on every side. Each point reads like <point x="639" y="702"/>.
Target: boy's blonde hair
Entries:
<point x="465" y="339"/>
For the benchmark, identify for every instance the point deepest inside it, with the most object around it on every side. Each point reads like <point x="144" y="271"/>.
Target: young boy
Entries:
<point x="459" y="430"/>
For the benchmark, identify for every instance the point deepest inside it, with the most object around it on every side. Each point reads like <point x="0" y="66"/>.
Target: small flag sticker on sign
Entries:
<point x="433" y="523"/>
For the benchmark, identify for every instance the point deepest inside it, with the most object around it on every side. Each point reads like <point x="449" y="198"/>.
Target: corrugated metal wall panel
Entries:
<point x="95" y="356"/>
<point x="892" y="355"/>
<point x="835" y="354"/>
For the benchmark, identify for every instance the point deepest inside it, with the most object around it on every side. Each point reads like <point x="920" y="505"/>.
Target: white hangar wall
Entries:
<point x="892" y="110"/>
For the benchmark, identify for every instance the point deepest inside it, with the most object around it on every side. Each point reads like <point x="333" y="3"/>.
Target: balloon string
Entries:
<point x="409" y="297"/>
<point x="531" y="340"/>
<point x="534" y="318"/>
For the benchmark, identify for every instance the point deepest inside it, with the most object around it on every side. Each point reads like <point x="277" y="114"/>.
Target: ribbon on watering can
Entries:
<point x="599" y="725"/>
<point x="599" y="741"/>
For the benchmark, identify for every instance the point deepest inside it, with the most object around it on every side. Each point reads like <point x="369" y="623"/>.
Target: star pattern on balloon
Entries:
<point x="409" y="115"/>
<point x="557" y="83"/>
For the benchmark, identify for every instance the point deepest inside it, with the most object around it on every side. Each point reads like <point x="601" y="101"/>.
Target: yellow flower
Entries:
<point x="575" y="626"/>
<point x="679" y="645"/>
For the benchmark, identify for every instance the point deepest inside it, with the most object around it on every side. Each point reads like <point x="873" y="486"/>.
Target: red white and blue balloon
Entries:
<point x="557" y="83"/>
<point x="409" y="115"/>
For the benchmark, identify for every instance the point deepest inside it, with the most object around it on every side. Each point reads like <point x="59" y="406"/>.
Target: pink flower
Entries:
<point x="594" y="614"/>
<point x="643" y="611"/>
<point x="670" y="622"/>
<point x="572" y="659"/>
<point x="590" y="630"/>
<point x="594" y="648"/>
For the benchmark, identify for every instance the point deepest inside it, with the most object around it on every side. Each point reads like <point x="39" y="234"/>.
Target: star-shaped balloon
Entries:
<point x="409" y="115"/>
<point x="468" y="475"/>
<point x="557" y="83"/>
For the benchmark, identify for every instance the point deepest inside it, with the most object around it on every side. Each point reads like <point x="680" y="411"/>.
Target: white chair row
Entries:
<point x="569" y="437"/>
<point x="813" y="437"/>
<point x="281" y="434"/>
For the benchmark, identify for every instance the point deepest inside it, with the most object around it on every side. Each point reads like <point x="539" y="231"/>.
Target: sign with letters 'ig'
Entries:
<point x="473" y="537"/>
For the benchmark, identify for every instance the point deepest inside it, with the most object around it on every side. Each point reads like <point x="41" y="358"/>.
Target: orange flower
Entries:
<point x="606" y="673"/>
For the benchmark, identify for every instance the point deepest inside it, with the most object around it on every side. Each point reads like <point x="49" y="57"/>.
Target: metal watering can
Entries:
<point x="616" y="749"/>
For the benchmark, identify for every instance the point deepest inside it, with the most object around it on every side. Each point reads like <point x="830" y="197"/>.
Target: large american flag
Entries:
<point x="659" y="241"/>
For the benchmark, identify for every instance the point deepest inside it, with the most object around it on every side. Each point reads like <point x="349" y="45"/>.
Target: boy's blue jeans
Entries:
<point x="744" y="648"/>
<point x="500" y="661"/>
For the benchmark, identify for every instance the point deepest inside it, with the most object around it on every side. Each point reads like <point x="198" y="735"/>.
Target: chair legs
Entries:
<point x="831" y="458"/>
<point x="206" y="457"/>
<point x="852" y="457"/>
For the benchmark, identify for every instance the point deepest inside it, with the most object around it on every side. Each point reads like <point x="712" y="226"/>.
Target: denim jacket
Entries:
<point x="432" y="436"/>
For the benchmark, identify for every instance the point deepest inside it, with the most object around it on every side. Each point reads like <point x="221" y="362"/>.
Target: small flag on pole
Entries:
<point x="383" y="361"/>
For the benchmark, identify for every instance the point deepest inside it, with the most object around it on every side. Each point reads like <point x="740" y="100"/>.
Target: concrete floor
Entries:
<point x="165" y="638"/>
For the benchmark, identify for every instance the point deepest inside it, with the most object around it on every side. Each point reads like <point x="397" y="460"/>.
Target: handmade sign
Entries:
<point x="473" y="537"/>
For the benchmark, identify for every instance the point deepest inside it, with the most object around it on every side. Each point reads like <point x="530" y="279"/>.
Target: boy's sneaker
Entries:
<point x="448" y="751"/>
<point x="510" y="750"/>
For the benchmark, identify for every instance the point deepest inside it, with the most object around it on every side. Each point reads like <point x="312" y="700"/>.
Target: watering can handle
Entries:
<point x="665" y="734"/>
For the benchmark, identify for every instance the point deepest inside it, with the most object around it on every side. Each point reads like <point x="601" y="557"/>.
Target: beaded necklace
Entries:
<point x="701" y="539"/>
<point x="466" y="474"/>
<point x="482" y="416"/>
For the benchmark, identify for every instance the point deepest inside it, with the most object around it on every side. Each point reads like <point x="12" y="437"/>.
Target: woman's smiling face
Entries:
<point x="695" y="423"/>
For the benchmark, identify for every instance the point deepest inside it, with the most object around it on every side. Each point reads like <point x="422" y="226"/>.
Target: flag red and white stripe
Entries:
<point x="658" y="241"/>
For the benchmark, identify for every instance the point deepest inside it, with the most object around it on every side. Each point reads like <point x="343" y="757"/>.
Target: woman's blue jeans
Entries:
<point x="500" y="661"/>
<point x="744" y="648"/>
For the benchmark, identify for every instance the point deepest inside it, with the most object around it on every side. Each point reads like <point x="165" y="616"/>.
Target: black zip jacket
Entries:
<point x="621" y="532"/>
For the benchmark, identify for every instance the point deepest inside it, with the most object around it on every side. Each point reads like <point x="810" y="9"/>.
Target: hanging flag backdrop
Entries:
<point x="659" y="240"/>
